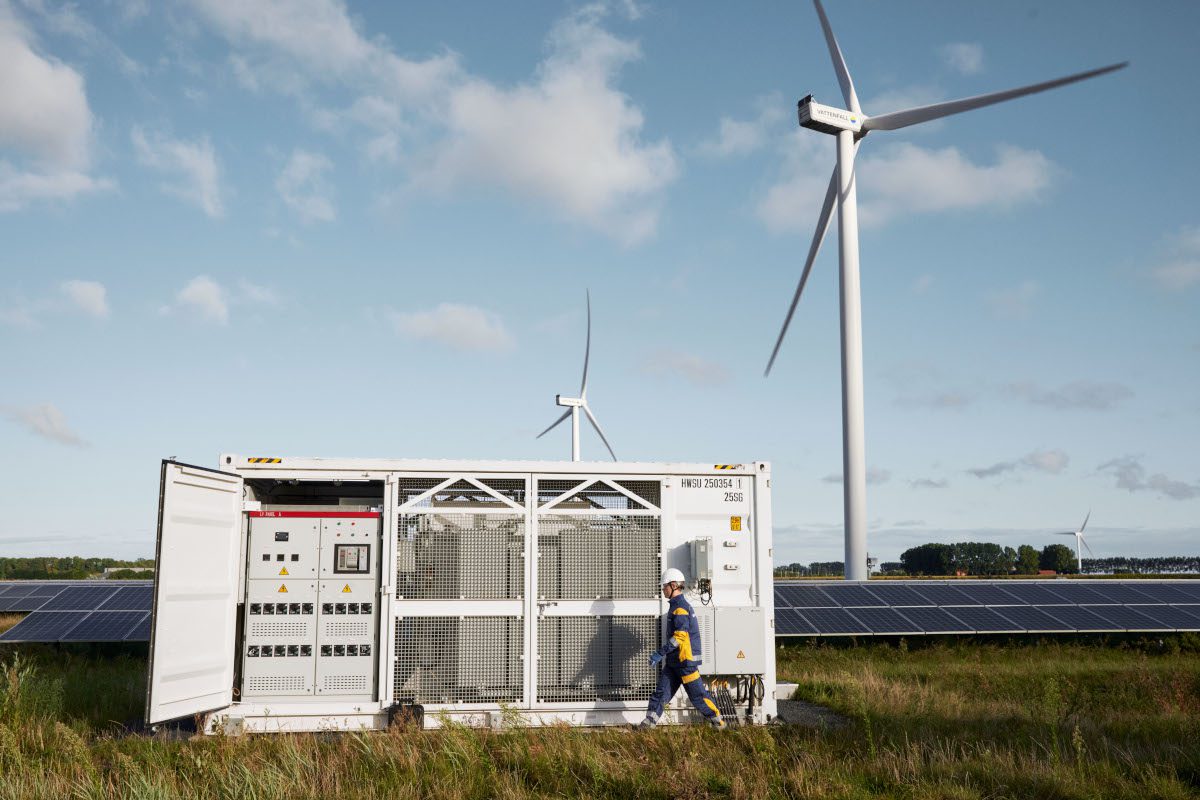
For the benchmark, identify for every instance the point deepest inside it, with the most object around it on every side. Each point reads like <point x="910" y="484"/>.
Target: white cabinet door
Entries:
<point x="193" y="627"/>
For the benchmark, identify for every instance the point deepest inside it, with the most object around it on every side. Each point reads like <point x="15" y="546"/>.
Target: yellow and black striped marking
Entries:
<point x="727" y="466"/>
<point x="264" y="460"/>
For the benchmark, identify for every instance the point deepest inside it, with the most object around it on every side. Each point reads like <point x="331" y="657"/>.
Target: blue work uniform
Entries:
<point x="680" y="665"/>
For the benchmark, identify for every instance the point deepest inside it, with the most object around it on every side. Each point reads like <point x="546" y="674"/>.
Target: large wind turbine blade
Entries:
<point x="1087" y="546"/>
<point x="1059" y="533"/>
<point x="596" y="425"/>
<point x="1083" y="527"/>
<point x="587" y="350"/>
<point x="912" y="116"/>
<point x="556" y="423"/>
<point x="839" y="63"/>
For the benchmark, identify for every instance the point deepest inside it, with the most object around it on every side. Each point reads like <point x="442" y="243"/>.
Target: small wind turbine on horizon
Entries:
<point x="575" y="404"/>
<point x="1079" y="540"/>
<point x="851" y="126"/>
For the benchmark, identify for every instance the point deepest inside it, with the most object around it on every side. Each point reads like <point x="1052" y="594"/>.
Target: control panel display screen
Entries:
<point x="352" y="558"/>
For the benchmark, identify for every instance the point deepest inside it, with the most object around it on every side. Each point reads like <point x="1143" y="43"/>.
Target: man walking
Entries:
<point x="679" y="658"/>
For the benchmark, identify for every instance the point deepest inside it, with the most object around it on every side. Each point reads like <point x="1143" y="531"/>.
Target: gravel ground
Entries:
<point x="797" y="712"/>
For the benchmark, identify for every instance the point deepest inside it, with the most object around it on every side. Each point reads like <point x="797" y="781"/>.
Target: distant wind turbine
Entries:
<point x="1079" y="540"/>
<point x="575" y="404"/>
<point x="850" y="126"/>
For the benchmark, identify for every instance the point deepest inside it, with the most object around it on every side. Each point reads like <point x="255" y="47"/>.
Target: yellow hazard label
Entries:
<point x="283" y="588"/>
<point x="284" y="571"/>
<point x="741" y="654"/>
<point x="735" y="523"/>
<point x="346" y="589"/>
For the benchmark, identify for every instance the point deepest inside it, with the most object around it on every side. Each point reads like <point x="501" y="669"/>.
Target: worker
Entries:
<point x="679" y="658"/>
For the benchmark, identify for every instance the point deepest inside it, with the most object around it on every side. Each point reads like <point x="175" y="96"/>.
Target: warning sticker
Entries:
<point x="284" y="571"/>
<point x="741" y="654"/>
<point x="735" y="523"/>
<point x="283" y="588"/>
<point x="346" y="589"/>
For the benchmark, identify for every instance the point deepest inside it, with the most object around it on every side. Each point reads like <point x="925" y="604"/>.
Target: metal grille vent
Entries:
<point x="650" y="491"/>
<point x="409" y="488"/>
<point x="280" y="629"/>
<point x="344" y="683"/>
<point x="458" y="659"/>
<point x="584" y="557"/>
<point x="447" y="556"/>
<point x="596" y="658"/>
<point x="548" y="491"/>
<point x="599" y="496"/>
<point x="355" y="629"/>
<point x="279" y="684"/>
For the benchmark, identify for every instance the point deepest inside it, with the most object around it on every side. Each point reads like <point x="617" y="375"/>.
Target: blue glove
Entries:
<point x="655" y="658"/>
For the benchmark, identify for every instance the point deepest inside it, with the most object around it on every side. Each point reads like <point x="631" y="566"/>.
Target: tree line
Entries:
<point x="986" y="558"/>
<point x="68" y="567"/>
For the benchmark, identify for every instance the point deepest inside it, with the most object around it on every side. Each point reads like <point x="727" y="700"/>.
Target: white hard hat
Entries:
<point x="672" y="576"/>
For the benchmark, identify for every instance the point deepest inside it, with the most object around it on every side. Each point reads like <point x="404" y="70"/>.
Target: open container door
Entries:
<point x="192" y="636"/>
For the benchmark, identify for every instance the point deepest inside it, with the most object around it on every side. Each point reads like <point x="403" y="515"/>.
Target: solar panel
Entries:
<point x="1035" y="595"/>
<point x="884" y="620"/>
<point x="1186" y="618"/>
<point x="43" y="626"/>
<point x="1125" y="618"/>
<point x="1165" y="593"/>
<point x="23" y="603"/>
<point x="20" y="590"/>
<point x="1079" y="619"/>
<point x="80" y="598"/>
<point x="986" y="594"/>
<point x="984" y="620"/>
<point x="104" y="626"/>
<point x="140" y="631"/>
<point x="4" y="587"/>
<point x="787" y="622"/>
<point x="899" y="595"/>
<point x="48" y="589"/>
<point x="1190" y="590"/>
<point x="832" y="620"/>
<point x="851" y="595"/>
<point x="1079" y="594"/>
<point x="1120" y="593"/>
<point x="934" y="620"/>
<point x="943" y="595"/>
<point x="806" y="597"/>
<point x="130" y="598"/>
<point x="1034" y="619"/>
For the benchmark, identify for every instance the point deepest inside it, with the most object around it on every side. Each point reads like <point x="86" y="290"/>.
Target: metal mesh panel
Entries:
<point x="462" y="493"/>
<point x="408" y="488"/>
<point x="459" y="659"/>
<point x="448" y="556"/>
<point x="596" y="658"/>
<point x="549" y="490"/>
<point x="650" y="491"/>
<point x="599" y="496"/>
<point x="598" y="556"/>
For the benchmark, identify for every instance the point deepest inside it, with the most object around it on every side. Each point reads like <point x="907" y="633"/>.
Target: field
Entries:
<point x="956" y="719"/>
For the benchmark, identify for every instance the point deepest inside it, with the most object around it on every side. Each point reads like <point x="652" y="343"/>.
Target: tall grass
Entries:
<point x="955" y="721"/>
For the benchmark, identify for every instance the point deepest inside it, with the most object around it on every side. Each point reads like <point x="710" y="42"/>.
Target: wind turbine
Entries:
<point x="851" y="126"/>
<point x="575" y="404"/>
<point x="1079" y="540"/>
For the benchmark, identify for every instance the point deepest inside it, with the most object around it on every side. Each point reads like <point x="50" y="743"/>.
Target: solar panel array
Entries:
<point x="939" y="607"/>
<point x="78" y="611"/>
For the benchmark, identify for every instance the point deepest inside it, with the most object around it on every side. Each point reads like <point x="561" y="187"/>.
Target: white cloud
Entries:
<point x="928" y="483"/>
<point x="1050" y="461"/>
<point x="1182" y="269"/>
<point x="1015" y="302"/>
<point x="192" y="165"/>
<point x="302" y="186"/>
<point x="900" y="180"/>
<point x="461" y="327"/>
<point x="693" y="369"/>
<point x="46" y="421"/>
<point x="205" y="297"/>
<point x="254" y="293"/>
<point x="45" y="119"/>
<point x="1131" y="476"/>
<point x="1077" y="394"/>
<point x="875" y="476"/>
<point x="88" y="296"/>
<point x="738" y="137"/>
<point x="963" y="57"/>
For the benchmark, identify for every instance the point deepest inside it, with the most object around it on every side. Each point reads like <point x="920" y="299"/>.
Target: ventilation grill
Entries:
<point x="596" y="658"/>
<point x="462" y="494"/>
<point x="447" y="556"/>
<point x="408" y="489"/>
<point x="275" y="684"/>
<point x="279" y="629"/>
<point x="354" y="629"/>
<point x="458" y="659"/>
<point x="344" y="683"/>
<point x="584" y="557"/>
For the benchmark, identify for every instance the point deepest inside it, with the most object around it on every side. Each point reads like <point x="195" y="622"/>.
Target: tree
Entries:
<point x="1028" y="560"/>
<point x="1059" y="558"/>
<point x="928" y="559"/>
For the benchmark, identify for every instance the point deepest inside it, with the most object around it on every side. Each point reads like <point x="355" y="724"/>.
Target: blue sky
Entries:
<point x="366" y="230"/>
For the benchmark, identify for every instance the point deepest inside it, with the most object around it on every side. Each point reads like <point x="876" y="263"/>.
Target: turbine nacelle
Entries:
<point x="569" y="402"/>
<point x="827" y="119"/>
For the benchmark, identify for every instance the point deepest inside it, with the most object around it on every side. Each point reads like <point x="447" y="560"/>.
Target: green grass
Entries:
<point x="957" y="720"/>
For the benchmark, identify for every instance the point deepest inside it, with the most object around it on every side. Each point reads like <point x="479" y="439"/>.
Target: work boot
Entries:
<point x="645" y="725"/>
<point x="717" y="723"/>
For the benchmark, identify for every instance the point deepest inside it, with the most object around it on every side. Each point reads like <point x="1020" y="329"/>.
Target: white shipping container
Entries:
<point x="302" y="594"/>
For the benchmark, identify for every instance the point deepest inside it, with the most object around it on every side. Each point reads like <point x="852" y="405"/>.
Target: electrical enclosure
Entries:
<point x="342" y="594"/>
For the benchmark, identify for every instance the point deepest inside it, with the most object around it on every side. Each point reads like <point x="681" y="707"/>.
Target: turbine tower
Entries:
<point x="851" y="126"/>
<point x="575" y="404"/>
<point x="1079" y="540"/>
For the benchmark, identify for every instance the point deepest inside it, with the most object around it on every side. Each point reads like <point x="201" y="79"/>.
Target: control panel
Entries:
<point x="311" y="617"/>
